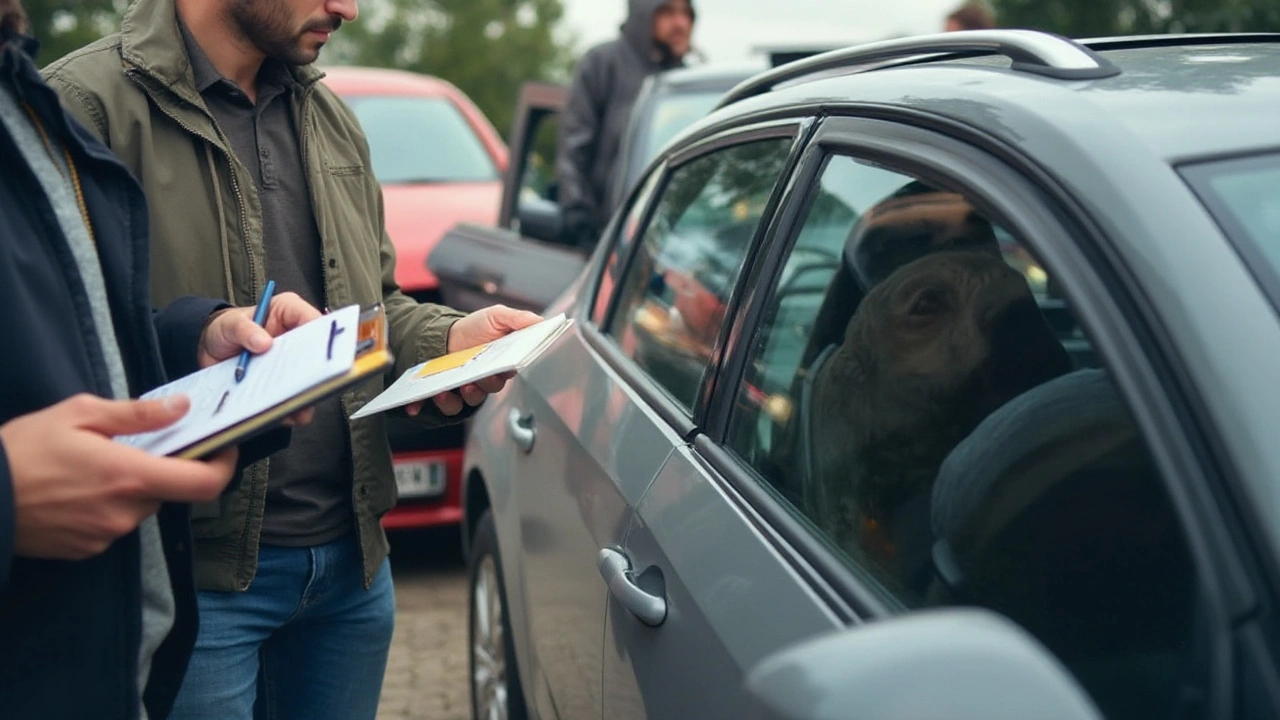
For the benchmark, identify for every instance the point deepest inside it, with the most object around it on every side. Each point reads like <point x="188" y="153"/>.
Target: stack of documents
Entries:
<point x="450" y="372"/>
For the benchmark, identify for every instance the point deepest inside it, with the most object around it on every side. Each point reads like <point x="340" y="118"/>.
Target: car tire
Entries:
<point x="496" y="693"/>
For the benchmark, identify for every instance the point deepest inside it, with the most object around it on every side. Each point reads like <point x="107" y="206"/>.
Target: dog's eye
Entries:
<point x="928" y="303"/>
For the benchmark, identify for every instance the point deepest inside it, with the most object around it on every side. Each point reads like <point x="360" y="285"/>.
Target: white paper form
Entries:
<point x="297" y="361"/>
<point x="508" y="353"/>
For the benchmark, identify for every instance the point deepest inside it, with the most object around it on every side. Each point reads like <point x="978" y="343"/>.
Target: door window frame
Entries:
<point x="1016" y="194"/>
<point x="683" y="421"/>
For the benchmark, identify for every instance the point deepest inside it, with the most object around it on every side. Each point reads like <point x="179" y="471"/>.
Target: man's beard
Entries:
<point x="667" y="54"/>
<point x="267" y="25"/>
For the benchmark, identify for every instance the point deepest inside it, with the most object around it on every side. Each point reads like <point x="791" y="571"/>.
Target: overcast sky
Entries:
<point x="729" y="30"/>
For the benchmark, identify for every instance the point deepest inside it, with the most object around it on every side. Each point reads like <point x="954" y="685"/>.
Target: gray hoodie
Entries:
<point x="605" y="84"/>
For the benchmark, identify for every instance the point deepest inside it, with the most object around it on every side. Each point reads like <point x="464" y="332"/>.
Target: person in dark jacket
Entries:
<point x="656" y="36"/>
<point x="97" y="604"/>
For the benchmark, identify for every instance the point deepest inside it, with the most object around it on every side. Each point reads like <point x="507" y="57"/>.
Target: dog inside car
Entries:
<point x="946" y="333"/>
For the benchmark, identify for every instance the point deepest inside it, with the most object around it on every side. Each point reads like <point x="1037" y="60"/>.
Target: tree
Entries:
<point x="1096" y="18"/>
<point x="66" y="25"/>
<point x="487" y="48"/>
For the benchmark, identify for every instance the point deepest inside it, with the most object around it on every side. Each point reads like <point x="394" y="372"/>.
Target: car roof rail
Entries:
<point x="1031" y="51"/>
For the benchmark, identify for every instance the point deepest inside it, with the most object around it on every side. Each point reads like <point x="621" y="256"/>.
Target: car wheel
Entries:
<point x="495" y="681"/>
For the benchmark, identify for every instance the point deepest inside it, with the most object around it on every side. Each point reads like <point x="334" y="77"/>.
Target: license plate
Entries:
<point x="420" y="478"/>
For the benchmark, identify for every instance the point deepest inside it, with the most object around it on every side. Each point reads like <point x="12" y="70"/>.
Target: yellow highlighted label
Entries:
<point x="450" y="361"/>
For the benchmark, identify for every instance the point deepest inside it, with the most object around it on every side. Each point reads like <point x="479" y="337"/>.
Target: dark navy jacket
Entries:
<point x="69" y="631"/>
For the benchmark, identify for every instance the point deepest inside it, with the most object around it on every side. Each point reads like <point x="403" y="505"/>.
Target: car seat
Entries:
<point x="1052" y="513"/>
<point x="912" y="222"/>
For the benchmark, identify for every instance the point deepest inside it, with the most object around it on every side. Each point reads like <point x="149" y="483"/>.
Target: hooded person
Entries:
<point x="655" y="37"/>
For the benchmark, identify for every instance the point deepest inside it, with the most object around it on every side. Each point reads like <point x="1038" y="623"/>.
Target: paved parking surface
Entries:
<point x="427" y="670"/>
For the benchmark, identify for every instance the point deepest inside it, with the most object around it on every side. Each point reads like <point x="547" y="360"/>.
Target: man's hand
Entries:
<point x="233" y="330"/>
<point x="75" y="490"/>
<point x="479" y="327"/>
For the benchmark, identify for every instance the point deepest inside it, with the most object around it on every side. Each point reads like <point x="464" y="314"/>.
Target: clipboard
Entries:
<point x="206" y="430"/>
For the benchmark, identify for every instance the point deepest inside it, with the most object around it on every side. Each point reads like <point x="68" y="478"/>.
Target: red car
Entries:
<point x="440" y="162"/>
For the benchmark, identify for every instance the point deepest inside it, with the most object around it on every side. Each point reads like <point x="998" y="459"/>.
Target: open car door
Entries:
<point x="521" y="262"/>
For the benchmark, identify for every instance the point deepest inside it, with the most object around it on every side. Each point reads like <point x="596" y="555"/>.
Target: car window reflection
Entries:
<point x="672" y="307"/>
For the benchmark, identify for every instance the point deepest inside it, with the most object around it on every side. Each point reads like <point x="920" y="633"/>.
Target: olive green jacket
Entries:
<point x="136" y="90"/>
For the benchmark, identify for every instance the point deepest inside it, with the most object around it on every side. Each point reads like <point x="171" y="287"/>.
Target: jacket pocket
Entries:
<point x="338" y="170"/>
<point x="226" y="515"/>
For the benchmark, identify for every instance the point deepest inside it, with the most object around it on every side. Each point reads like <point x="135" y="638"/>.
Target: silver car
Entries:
<point x="930" y="378"/>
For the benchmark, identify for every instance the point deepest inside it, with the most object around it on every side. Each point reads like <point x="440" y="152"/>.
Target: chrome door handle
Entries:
<point x="615" y="568"/>
<point x="520" y="425"/>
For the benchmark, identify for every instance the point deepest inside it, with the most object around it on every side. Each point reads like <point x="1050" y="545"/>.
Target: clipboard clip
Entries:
<point x="372" y="329"/>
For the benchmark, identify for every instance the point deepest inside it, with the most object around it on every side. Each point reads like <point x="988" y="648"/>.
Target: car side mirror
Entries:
<point x="539" y="219"/>
<point x="952" y="664"/>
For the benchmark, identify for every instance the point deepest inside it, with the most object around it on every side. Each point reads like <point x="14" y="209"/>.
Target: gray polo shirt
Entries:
<point x="309" y="489"/>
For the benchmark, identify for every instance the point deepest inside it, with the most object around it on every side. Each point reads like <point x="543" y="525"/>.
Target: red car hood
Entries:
<point x="419" y="215"/>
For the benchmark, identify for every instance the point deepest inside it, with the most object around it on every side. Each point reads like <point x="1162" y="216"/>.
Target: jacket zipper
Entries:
<point x="305" y="116"/>
<point x="136" y="76"/>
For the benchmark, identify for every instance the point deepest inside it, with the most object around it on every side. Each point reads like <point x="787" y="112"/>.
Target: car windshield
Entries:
<point x="1243" y="195"/>
<point x="421" y="140"/>
<point x="674" y="113"/>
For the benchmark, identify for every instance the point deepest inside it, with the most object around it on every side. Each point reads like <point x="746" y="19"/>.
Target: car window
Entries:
<point x="1242" y="195"/>
<point x="622" y="244"/>
<point x="920" y="397"/>
<point x="537" y="182"/>
<point x="672" y="113"/>
<point x="421" y="140"/>
<point x="673" y="300"/>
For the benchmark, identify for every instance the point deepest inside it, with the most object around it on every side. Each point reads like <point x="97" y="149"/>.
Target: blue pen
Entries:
<point x="259" y="317"/>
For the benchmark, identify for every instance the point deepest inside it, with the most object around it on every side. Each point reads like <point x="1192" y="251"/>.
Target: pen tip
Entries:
<point x="239" y="374"/>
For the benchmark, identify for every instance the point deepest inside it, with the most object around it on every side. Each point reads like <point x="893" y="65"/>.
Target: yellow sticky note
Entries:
<point x="450" y="361"/>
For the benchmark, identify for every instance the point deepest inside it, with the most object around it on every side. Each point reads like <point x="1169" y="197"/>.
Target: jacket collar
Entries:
<point x="18" y="71"/>
<point x="22" y="43"/>
<point x="16" y="53"/>
<point x="151" y="41"/>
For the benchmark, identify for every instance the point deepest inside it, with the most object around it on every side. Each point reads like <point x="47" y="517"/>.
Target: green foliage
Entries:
<point x="1094" y="18"/>
<point x="66" y="25"/>
<point x="488" y="48"/>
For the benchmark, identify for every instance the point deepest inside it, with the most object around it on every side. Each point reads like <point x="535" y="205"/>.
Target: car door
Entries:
<point x="669" y="321"/>
<point x="583" y="444"/>
<point x="520" y="262"/>
<point x="909" y="418"/>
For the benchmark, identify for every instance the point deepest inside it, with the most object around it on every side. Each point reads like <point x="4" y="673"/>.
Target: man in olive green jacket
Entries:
<point x="253" y="171"/>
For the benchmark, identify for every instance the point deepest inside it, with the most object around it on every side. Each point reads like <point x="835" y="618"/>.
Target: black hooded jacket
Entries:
<point x="606" y="82"/>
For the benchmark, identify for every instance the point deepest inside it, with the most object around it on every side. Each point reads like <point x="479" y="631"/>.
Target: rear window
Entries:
<point x="421" y="140"/>
<point x="1243" y="195"/>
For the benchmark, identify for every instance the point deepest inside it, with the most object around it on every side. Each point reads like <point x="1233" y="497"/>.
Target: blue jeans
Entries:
<point x="306" y="641"/>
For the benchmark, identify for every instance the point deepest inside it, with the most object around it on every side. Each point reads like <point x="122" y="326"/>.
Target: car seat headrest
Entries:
<point x="912" y="222"/>
<point x="1046" y="432"/>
